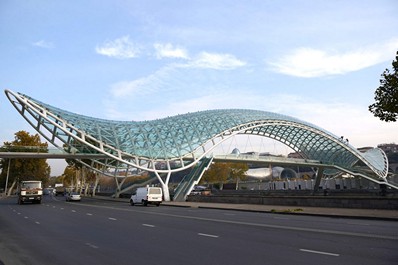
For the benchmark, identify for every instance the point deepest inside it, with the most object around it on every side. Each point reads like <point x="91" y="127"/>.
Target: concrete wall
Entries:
<point x="312" y="201"/>
<point x="300" y="184"/>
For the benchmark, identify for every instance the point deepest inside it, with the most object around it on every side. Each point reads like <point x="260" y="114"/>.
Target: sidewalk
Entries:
<point x="390" y="215"/>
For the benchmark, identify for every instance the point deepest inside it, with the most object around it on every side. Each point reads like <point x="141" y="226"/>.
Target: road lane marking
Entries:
<point x="353" y="223"/>
<point x="319" y="252"/>
<point x="91" y="245"/>
<point x="111" y="218"/>
<point x="73" y="211"/>
<point x="283" y="227"/>
<point x="37" y="223"/>
<point x="148" y="225"/>
<point x="208" y="235"/>
<point x="26" y="217"/>
<point x="89" y="214"/>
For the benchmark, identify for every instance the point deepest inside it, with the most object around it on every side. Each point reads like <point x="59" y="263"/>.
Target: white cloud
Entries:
<point x="309" y="62"/>
<point x="44" y="44"/>
<point x="142" y="86"/>
<point x="122" y="48"/>
<point x="169" y="51"/>
<point x="160" y="80"/>
<point x="216" y="61"/>
<point x="125" y="88"/>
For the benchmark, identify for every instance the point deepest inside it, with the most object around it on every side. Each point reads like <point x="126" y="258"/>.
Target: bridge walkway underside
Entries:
<point x="188" y="183"/>
<point x="170" y="142"/>
<point x="319" y="165"/>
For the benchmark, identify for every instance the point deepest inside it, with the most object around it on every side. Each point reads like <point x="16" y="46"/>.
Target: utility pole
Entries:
<point x="8" y="173"/>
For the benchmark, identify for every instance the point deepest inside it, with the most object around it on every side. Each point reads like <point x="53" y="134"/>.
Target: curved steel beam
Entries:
<point x="179" y="142"/>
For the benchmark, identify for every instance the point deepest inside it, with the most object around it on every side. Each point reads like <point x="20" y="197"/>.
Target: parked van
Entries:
<point x="147" y="195"/>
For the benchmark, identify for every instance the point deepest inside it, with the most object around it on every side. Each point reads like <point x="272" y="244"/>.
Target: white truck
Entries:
<point x="59" y="189"/>
<point x="147" y="195"/>
<point x="30" y="191"/>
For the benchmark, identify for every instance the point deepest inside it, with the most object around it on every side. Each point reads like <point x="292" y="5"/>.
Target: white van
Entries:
<point x="147" y="195"/>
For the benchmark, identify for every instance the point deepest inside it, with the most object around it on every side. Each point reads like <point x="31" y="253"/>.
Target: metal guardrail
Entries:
<point x="187" y="183"/>
<point x="269" y="159"/>
<point x="44" y="152"/>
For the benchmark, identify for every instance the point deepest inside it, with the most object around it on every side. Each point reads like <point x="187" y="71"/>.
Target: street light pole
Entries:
<point x="8" y="173"/>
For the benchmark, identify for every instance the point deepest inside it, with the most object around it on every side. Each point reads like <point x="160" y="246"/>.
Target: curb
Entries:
<point x="300" y="213"/>
<point x="281" y="212"/>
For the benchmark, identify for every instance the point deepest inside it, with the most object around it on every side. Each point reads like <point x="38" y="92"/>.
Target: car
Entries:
<point x="200" y="190"/>
<point x="73" y="196"/>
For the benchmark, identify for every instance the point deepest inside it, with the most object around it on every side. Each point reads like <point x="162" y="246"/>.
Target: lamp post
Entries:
<point x="8" y="173"/>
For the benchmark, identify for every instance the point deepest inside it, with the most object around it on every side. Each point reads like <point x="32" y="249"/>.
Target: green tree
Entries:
<point x="69" y="176"/>
<point x="76" y="167"/>
<point x="386" y="95"/>
<point x="223" y="172"/>
<point x="238" y="172"/>
<point x="217" y="173"/>
<point x="24" y="168"/>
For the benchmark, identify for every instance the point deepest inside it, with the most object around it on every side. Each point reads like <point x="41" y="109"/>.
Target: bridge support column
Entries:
<point x="318" y="177"/>
<point x="166" y="193"/>
<point x="96" y="183"/>
<point x="119" y="186"/>
<point x="165" y="186"/>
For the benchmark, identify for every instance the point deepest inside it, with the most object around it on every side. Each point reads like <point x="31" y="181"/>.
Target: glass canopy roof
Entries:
<point x="182" y="136"/>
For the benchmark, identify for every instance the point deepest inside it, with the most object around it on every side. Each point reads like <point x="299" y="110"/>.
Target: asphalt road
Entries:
<point x="104" y="232"/>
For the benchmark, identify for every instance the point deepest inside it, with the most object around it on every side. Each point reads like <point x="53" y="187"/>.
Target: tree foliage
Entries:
<point x="217" y="173"/>
<point x="25" y="168"/>
<point x="69" y="176"/>
<point x="386" y="95"/>
<point x="238" y="171"/>
<point x="223" y="172"/>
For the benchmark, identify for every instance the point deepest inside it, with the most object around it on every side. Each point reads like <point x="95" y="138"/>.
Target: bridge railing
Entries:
<point x="187" y="183"/>
<point x="266" y="158"/>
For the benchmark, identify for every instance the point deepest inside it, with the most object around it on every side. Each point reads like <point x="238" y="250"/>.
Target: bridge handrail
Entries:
<point x="266" y="158"/>
<point x="189" y="180"/>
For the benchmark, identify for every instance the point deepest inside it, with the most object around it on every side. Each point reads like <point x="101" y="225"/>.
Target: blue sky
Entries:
<point x="319" y="61"/>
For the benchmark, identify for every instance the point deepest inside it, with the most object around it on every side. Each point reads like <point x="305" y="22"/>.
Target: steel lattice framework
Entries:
<point x="179" y="142"/>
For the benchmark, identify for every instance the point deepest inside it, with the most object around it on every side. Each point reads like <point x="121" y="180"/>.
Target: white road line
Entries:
<point x="91" y="245"/>
<point x="62" y="208"/>
<point x="319" y="252"/>
<point x="113" y="219"/>
<point x="284" y="227"/>
<point x="148" y="225"/>
<point x="89" y="214"/>
<point x="37" y="223"/>
<point x="73" y="211"/>
<point x="26" y="217"/>
<point x="352" y="223"/>
<point x="207" y="235"/>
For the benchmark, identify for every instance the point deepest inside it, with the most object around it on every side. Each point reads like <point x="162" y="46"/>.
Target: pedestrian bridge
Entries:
<point x="185" y="141"/>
